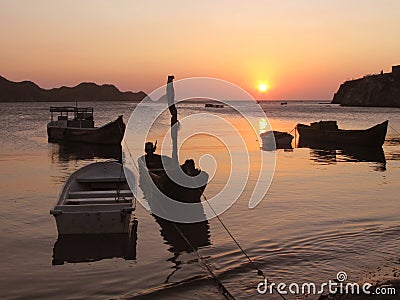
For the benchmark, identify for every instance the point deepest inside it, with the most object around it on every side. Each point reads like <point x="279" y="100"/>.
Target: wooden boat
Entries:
<point x="157" y="171"/>
<point x="276" y="140"/>
<point x="328" y="132"/>
<point x="214" y="105"/>
<point x="75" y="124"/>
<point x="94" y="199"/>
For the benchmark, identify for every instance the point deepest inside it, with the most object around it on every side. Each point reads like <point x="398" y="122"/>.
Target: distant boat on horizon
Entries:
<point x="214" y="105"/>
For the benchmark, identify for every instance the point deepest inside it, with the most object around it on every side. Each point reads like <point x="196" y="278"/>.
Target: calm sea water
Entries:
<point x="326" y="211"/>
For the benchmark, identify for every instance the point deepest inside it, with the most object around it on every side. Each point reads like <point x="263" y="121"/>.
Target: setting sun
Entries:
<point x="262" y="87"/>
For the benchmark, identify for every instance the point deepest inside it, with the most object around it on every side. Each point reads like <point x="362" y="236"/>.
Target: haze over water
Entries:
<point x="326" y="211"/>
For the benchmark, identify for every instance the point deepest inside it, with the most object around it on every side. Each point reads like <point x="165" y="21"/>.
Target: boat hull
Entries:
<point x="111" y="133"/>
<point x="373" y="137"/>
<point x="168" y="187"/>
<point x="177" y="192"/>
<point x="93" y="222"/>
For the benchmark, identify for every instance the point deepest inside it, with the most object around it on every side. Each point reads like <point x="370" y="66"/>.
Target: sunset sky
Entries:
<point x="299" y="49"/>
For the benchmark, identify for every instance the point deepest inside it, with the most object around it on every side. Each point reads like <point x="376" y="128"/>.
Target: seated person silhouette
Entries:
<point x="153" y="161"/>
<point x="189" y="168"/>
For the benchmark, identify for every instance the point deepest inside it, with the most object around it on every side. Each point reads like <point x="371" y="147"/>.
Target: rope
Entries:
<point x="293" y="129"/>
<point x="394" y="129"/>
<point x="117" y="187"/>
<point x="225" y="291"/>
<point x="259" y="271"/>
<point x="120" y="175"/>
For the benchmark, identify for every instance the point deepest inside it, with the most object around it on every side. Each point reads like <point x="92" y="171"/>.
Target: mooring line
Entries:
<point x="394" y="129"/>
<point x="225" y="291"/>
<point x="259" y="271"/>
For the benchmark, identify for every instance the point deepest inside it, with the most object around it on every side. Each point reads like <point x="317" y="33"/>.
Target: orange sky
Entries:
<point x="300" y="49"/>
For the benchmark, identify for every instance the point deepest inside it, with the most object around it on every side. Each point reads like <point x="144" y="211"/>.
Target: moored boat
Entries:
<point x="94" y="199"/>
<point x="328" y="132"/>
<point x="160" y="170"/>
<point x="214" y="105"/>
<point x="76" y="124"/>
<point x="276" y="140"/>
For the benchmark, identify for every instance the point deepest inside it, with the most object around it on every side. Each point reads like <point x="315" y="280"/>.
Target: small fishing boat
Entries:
<point x="328" y="132"/>
<point x="214" y="105"/>
<point x="76" y="124"/>
<point x="276" y="140"/>
<point x="157" y="167"/>
<point x="94" y="199"/>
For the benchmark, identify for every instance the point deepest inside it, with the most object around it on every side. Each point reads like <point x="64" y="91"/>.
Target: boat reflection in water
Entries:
<point x="75" y="151"/>
<point x="324" y="153"/>
<point x="77" y="248"/>
<point x="183" y="238"/>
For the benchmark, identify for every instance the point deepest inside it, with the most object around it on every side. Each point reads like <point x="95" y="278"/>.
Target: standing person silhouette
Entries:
<point x="174" y="117"/>
<point x="171" y="100"/>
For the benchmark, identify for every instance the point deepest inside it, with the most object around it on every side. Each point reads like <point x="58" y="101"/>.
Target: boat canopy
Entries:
<point x="79" y="113"/>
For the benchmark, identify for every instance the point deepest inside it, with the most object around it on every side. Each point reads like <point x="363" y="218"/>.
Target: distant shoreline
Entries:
<point x="67" y="101"/>
<point x="28" y="91"/>
<point x="184" y="101"/>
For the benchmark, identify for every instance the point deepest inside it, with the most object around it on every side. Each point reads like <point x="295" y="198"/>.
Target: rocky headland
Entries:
<point x="380" y="90"/>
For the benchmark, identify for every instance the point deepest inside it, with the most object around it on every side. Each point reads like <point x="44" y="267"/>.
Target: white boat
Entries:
<point x="94" y="199"/>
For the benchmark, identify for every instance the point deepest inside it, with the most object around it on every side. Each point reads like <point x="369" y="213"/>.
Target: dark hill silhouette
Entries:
<point x="372" y="90"/>
<point x="87" y="91"/>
